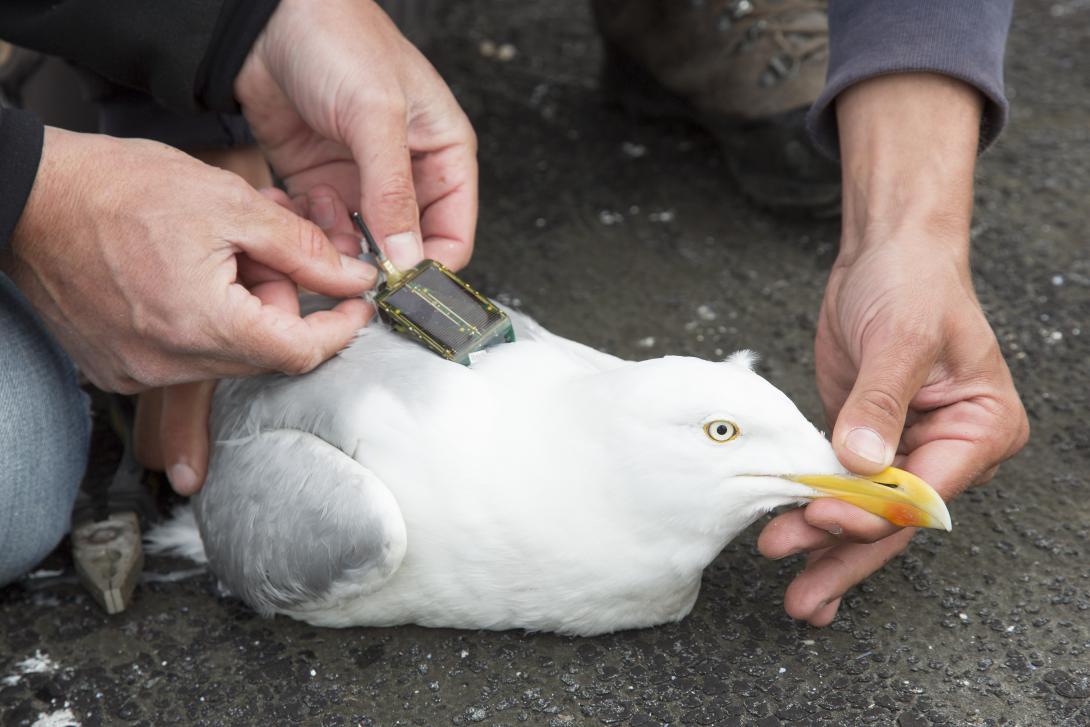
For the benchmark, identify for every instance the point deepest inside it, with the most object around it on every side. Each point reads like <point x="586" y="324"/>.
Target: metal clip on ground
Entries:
<point x="109" y="559"/>
<point x="106" y="538"/>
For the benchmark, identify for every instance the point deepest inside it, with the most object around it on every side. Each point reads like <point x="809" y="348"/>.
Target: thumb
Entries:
<point x="870" y="423"/>
<point x="388" y="193"/>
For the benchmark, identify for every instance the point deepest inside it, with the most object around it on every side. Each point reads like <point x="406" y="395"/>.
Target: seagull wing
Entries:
<point x="290" y="523"/>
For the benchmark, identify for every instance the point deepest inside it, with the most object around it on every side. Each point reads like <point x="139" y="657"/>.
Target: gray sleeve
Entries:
<point x="964" y="39"/>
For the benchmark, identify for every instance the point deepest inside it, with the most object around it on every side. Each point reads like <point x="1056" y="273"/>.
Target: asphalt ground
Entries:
<point x="627" y="234"/>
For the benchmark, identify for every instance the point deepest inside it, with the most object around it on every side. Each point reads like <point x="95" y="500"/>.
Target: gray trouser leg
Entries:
<point x="45" y="428"/>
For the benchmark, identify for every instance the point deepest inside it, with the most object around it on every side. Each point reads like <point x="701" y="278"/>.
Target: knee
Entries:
<point x="44" y="454"/>
<point x="44" y="436"/>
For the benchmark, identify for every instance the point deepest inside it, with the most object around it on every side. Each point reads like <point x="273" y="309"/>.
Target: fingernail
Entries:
<point x="322" y="212"/>
<point x="364" y="271"/>
<point x="404" y="249"/>
<point x="182" y="478"/>
<point x="836" y="530"/>
<point x="868" y="444"/>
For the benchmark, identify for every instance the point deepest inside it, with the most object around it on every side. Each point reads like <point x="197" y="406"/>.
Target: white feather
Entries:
<point x="179" y="537"/>
<point x="745" y="358"/>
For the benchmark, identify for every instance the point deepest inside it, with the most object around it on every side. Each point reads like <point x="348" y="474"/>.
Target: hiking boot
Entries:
<point x="745" y="70"/>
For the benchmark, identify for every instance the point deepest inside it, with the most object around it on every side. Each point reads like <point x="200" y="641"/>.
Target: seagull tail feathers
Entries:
<point x="179" y="536"/>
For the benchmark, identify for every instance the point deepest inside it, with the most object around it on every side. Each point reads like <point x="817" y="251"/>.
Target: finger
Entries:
<point x="282" y="294"/>
<point x="388" y="197"/>
<point x="268" y="285"/>
<point x="824" y="616"/>
<point x="296" y="247"/>
<point x="183" y="429"/>
<point x="327" y="209"/>
<point x="321" y="210"/>
<point x="251" y="272"/>
<point x="949" y="465"/>
<point x="846" y="521"/>
<point x="271" y="286"/>
<point x="963" y="444"/>
<point x="145" y="438"/>
<point x="281" y="198"/>
<point x="267" y="337"/>
<point x="446" y="188"/>
<point x="997" y="427"/>
<point x="986" y="477"/>
<point x="870" y="422"/>
<point x="347" y="241"/>
<point x="789" y="534"/>
<point x="829" y="576"/>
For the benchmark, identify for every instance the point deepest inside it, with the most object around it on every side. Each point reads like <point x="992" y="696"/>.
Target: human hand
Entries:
<point x="336" y="95"/>
<point x="171" y="431"/>
<point x="907" y="366"/>
<point x="172" y="423"/>
<point x="136" y="255"/>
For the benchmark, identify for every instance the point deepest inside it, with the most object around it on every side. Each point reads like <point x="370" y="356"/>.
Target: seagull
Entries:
<point x="547" y="486"/>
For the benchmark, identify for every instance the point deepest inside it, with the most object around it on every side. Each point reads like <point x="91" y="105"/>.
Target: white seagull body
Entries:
<point x="546" y="487"/>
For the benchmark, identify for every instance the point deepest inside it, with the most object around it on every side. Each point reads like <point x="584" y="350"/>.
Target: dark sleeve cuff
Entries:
<point x="239" y="24"/>
<point x="21" y="135"/>
<point x="964" y="39"/>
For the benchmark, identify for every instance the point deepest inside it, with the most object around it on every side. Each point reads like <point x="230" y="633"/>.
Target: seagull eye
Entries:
<point x="720" y="430"/>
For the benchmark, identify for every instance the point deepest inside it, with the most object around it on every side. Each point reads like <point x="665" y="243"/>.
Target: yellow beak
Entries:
<point x="898" y="496"/>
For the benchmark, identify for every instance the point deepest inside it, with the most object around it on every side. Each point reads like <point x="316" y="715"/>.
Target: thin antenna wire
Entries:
<point x="372" y="246"/>
<point x="392" y="273"/>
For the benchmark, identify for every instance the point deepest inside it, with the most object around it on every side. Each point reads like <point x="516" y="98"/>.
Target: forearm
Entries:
<point x="908" y="148"/>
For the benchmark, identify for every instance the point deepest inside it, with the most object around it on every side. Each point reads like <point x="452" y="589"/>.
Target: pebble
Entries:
<point x="503" y="52"/>
<point x="706" y="313"/>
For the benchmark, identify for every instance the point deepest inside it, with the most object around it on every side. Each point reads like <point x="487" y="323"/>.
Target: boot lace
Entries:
<point x="789" y="24"/>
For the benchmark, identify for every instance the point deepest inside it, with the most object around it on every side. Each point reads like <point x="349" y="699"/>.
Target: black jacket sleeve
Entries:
<point x="20" y="149"/>
<point x="965" y="39"/>
<point x="184" y="54"/>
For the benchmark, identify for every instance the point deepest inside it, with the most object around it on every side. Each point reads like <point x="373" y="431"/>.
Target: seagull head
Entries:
<point x="711" y="446"/>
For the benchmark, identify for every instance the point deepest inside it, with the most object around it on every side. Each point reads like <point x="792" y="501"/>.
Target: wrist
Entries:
<point x="909" y="145"/>
<point x="253" y="77"/>
<point x="239" y="26"/>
